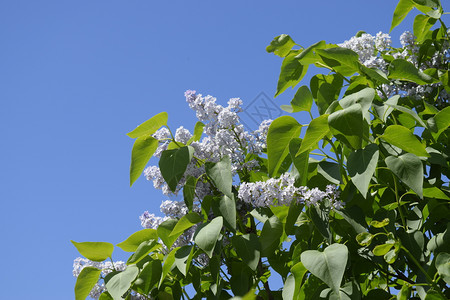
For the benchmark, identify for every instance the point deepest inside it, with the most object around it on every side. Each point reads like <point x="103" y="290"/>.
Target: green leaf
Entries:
<point x="150" y="126"/>
<point x="302" y="101"/>
<point x="383" y="111"/>
<point x="105" y="296"/>
<point x="325" y="89"/>
<point x="281" y="45"/>
<point x="379" y="224"/>
<point x="363" y="97"/>
<point x="299" y="272"/>
<point x="401" y="11"/>
<point x="434" y="295"/>
<point x="95" y="251"/>
<point x="220" y="174"/>
<point x="183" y="258"/>
<point x="443" y="266"/>
<point x="344" y="61"/>
<point x="373" y="74"/>
<point x="281" y="132"/>
<point x="134" y="240"/>
<point x="403" y="138"/>
<point x="405" y="110"/>
<point x="86" y="280"/>
<point x="300" y="161"/>
<point x="189" y="191"/>
<point x="289" y="288"/>
<point x="248" y="249"/>
<point x="361" y="166"/>
<point x="408" y="168"/>
<point x="186" y="221"/>
<point x="119" y="284"/>
<point x="142" y="250"/>
<point x="330" y="171"/>
<point x="435" y="192"/>
<point x="270" y="236"/>
<point x="381" y="250"/>
<point x="165" y="229"/>
<point x="422" y="25"/>
<point x="149" y="276"/>
<point x="328" y="265"/>
<point x="317" y="129"/>
<point x="143" y="149"/>
<point x="442" y="120"/>
<point x="173" y="164"/>
<point x="404" y="293"/>
<point x="391" y="256"/>
<point x="347" y="125"/>
<point x="198" y="131"/>
<point x="207" y="235"/>
<point x="320" y="219"/>
<point x="309" y="56"/>
<point x="227" y="208"/>
<point x="404" y="70"/>
<point x="364" y="238"/>
<point x="169" y="260"/>
<point x="292" y="71"/>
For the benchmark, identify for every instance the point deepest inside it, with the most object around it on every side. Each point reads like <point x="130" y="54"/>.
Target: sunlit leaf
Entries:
<point x="95" y="251"/>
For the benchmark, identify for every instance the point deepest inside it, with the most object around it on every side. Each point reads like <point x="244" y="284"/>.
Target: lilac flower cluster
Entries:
<point x="369" y="48"/>
<point x="224" y="135"/>
<point x="281" y="191"/>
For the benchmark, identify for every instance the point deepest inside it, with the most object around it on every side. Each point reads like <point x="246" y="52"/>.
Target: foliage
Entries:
<point x="357" y="208"/>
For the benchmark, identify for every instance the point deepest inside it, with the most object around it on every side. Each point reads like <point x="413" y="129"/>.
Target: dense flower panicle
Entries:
<point x="363" y="45"/>
<point x="369" y="49"/>
<point x="173" y="209"/>
<point x="281" y="191"/>
<point x="182" y="135"/>
<point x="224" y="135"/>
<point x="152" y="221"/>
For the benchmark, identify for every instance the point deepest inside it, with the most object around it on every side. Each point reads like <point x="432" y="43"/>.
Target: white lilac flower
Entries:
<point x="235" y="104"/>
<point x="182" y="135"/>
<point x="407" y="40"/>
<point x="153" y="173"/>
<point x="363" y="45"/>
<point x="382" y="41"/>
<point x="281" y="191"/>
<point x="173" y="209"/>
<point x="162" y="133"/>
<point x="149" y="220"/>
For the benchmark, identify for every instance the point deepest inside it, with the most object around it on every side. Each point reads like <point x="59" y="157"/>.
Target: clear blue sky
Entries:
<point x="75" y="76"/>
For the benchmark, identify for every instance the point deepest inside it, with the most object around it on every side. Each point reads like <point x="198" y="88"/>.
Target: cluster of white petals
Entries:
<point x="223" y="135"/>
<point x="370" y="49"/>
<point x="282" y="191"/>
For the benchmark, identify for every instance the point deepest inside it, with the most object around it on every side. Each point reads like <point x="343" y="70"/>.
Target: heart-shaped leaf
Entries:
<point x="173" y="164"/>
<point x="328" y="265"/>
<point x="408" y="168"/>
<point x="403" y="138"/>
<point x="121" y="282"/>
<point x="248" y="249"/>
<point x="220" y="174"/>
<point x="207" y="235"/>
<point x="361" y="165"/>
